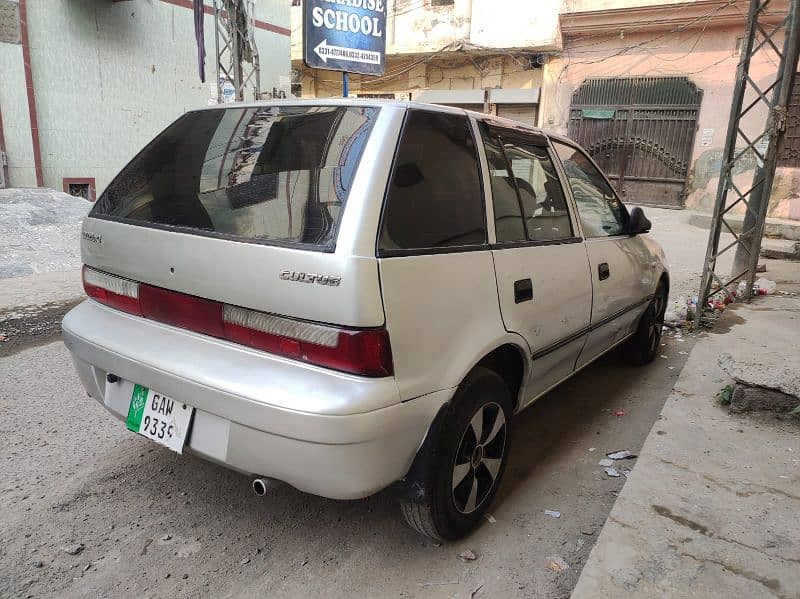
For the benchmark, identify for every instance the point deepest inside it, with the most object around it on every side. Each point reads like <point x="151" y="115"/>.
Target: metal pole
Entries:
<point x="216" y="53"/>
<point x="776" y="129"/>
<point x="345" y="84"/>
<point x="756" y="198"/>
<point x="725" y="168"/>
<point x="752" y="224"/>
<point x="236" y="59"/>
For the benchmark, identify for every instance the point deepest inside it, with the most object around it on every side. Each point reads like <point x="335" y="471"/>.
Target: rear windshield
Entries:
<point x="270" y="174"/>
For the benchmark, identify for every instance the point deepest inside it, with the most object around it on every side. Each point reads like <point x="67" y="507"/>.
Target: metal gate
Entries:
<point x="640" y="130"/>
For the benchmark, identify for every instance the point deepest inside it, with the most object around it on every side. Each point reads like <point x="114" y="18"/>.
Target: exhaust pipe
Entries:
<point x="262" y="485"/>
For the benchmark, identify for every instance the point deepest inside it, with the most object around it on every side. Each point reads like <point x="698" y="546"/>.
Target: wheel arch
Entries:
<point x="509" y="361"/>
<point x="664" y="278"/>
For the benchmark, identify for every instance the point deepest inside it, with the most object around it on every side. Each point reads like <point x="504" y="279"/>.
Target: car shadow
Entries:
<point x="579" y="409"/>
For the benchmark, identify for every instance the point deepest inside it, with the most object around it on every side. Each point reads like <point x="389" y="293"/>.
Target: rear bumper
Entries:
<point x="323" y="432"/>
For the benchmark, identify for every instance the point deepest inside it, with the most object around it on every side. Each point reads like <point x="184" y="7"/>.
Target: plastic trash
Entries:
<point x="552" y="513"/>
<point x="468" y="555"/>
<point x="556" y="563"/>
<point x="677" y="311"/>
<point x="765" y="286"/>
<point x="622" y="454"/>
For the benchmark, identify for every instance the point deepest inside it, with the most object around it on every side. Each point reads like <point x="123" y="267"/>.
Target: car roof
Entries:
<point x="378" y="102"/>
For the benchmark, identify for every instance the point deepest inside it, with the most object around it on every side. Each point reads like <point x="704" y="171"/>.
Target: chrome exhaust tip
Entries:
<point x="261" y="485"/>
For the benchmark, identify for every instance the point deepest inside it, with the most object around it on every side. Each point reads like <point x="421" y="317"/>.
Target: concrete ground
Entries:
<point x="711" y="508"/>
<point x="153" y="523"/>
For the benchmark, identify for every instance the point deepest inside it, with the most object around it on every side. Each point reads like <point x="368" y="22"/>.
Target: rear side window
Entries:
<point x="267" y="174"/>
<point x="529" y="203"/>
<point x="599" y="208"/>
<point x="434" y="199"/>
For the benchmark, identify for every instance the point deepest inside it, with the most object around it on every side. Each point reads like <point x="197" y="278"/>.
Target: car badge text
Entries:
<point x="305" y="277"/>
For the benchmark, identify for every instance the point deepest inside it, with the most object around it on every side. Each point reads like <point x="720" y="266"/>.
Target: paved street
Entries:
<point x="153" y="523"/>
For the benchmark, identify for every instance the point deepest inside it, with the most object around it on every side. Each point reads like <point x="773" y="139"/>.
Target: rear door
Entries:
<point x="540" y="261"/>
<point x="619" y="263"/>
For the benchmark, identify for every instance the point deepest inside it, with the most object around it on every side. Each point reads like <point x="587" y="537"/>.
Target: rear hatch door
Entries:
<point x="242" y="205"/>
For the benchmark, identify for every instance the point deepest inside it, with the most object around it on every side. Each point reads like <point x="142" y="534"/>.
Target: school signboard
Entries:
<point x="345" y="35"/>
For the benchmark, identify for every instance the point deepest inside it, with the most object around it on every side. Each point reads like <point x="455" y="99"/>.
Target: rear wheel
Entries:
<point x="643" y="346"/>
<point x="468" y="460"/>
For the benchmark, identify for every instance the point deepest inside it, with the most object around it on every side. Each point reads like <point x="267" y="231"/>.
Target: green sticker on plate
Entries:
<point x="138" y="400"/>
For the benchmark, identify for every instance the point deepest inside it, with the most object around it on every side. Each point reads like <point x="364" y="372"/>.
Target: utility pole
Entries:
<point x="236" y="52"/>
<point x="740" y="147"/>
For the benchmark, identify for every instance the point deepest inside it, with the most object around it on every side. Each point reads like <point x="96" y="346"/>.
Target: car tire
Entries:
<point x="643" y="346"/>
<point x="467" y="461"/>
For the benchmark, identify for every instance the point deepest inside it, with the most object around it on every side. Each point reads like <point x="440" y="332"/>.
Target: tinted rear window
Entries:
<point x="435" y="198"/>
<point x="270" y="174"/>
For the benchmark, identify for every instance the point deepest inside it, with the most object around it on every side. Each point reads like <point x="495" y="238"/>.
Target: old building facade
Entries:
<point x="466" y="53"/>
<point x="645" y="85"/>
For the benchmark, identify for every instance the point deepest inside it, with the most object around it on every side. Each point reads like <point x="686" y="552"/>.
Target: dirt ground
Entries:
<point x="155" y="524"/>
<point x="150" y="523"/>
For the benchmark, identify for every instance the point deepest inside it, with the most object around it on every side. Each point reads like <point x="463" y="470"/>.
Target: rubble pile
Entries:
<point x="39" y="231"/>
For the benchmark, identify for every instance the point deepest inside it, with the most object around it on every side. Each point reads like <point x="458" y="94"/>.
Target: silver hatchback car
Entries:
<point x="348" y="296"/>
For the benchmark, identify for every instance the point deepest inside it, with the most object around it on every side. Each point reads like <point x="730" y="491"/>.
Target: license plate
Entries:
<point x="159" y="417"/>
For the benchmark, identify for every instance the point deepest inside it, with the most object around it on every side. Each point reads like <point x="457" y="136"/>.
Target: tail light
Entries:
<point x="119" y="293"/>
<point x="366" y="352"/>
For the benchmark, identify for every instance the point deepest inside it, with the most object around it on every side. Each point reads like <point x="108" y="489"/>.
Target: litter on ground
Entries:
<point x="468" y="555"/>
<point x="557" y="564"/>
<point x="622" y="454"/>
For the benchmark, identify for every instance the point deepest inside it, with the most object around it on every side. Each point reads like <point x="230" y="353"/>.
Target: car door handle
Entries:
<point x="603" y="271"/>
<point x="523" y="291"/>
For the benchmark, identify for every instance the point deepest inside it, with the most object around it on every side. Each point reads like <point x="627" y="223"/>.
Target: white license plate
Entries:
<point x="159" y="417"/>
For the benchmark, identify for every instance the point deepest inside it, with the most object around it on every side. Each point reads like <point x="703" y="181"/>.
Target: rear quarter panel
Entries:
<point x="443" y="316"/>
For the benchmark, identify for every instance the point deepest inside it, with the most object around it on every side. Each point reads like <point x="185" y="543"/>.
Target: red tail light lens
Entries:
<point x="182" y="310"/>
<point x="119" y="293"/>
<point x="365" y="352"/>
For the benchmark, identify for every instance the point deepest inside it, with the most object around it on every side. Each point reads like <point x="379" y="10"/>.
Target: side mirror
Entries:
<point x="638" y="223"/>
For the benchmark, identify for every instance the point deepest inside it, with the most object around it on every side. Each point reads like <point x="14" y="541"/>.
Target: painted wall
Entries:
<point x="593" y="5"/>
<point x="110" y="75"/>
<point x="450" y="72"/>
<point x="16" y="125"/>
<point x="414" y="27"/>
